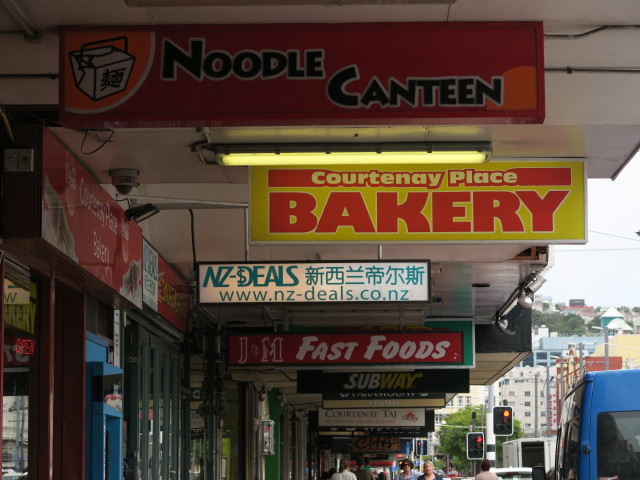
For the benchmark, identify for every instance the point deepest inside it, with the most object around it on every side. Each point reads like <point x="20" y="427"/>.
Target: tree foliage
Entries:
<point x="453" y="436"/>
<point x="563" y="323"/>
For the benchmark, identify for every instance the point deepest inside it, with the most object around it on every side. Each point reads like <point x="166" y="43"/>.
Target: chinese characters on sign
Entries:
<point x="314" y="282"/>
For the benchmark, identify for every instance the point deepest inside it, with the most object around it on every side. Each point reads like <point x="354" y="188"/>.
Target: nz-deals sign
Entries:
<point x="494" y="202"/>
<point x="287" y="74"/>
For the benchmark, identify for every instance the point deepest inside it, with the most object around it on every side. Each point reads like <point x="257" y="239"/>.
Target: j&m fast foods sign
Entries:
<point x="343" y="74"/>
<point x="417" y="348"/>
<point x="493" y="202"/>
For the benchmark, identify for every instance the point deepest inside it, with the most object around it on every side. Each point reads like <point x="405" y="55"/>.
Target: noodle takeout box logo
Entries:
<point x="310" y="349"/>
<point x="325" y="74"/>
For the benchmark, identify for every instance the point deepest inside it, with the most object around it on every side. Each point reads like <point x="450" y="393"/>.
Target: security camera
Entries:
<point x="124" y="179"/>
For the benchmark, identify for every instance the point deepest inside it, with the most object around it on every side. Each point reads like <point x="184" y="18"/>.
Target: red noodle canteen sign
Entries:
<point x="302" y="74"/>
<point x="493" y="202"/>
<point x="356" y="348"/>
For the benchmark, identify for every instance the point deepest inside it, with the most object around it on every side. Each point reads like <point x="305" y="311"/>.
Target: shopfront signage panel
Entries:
<point x="375" y="444"/>
<point x="173" y="296"/>
<point x="164" y="291"/>
<point x="371" y="417"/>
<point x="494" y="202"/>
<point x="375" y="400"/>
<point x="83" y="221"/>
<point x="149" y="276"/>
<point x="390" y="383"/>
<point x="335" y="282"/>
<point x="301" y="74"/>
<point x="337" y="350"/>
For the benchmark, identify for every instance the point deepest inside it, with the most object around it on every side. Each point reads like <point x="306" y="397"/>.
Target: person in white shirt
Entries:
<point x="344" y="473"/>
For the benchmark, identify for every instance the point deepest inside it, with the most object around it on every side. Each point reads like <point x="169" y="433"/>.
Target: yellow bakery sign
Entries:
<point x="494" y="202"/>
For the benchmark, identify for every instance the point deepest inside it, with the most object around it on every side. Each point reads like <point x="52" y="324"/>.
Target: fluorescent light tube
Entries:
<point x="350" y="154"/>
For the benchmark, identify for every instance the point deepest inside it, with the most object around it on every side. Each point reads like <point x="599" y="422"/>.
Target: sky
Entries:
<point x="605" y="272"/>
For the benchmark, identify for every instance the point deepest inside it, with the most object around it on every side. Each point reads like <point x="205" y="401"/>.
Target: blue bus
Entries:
<point x="599" y="431"/>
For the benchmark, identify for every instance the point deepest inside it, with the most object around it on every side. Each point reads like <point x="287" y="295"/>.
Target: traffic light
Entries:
<point x="502" y="421"/>
<point x="475" y="445"/>
<point x="419" y="447"/>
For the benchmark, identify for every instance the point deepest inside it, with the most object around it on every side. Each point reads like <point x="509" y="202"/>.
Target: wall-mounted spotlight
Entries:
<point x="525" y="299"/>
<point x="535" y="282"/>
<point x="141" y="213"/>
<point x="502" y="322"/>
<point x="522" y="296"/>
<point x="418" y="153"/>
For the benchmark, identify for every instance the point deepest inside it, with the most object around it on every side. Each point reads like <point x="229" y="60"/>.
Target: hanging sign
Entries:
<point x="164" y="291"/>
<point x="335" y="282"/>
<point x="371" y="417"/>
<point x="494" y="202"/>
<point x="338" y="350"/>
<point x="375" y="400"/>
<point x="301" y="74"/>
<point x="375" y="444"/>
<point x="352" y="385"/>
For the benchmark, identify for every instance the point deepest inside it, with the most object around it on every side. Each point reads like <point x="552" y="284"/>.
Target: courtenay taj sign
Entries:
<point x="371" y="417"/>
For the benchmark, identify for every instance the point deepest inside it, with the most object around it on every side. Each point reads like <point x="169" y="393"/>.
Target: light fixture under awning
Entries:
<point x="351" y="153"/>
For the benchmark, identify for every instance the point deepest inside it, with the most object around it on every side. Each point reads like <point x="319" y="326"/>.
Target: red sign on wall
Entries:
<point x="287" y="74"/>
<point x="389" y="348"/>
<point x="83" y="221"/>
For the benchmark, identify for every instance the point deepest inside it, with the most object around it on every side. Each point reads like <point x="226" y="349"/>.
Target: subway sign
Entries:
<point x="371" y="384"/>
<point x="332" y="282"/>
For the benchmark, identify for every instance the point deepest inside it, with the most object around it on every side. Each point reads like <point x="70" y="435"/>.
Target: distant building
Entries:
<point x="579" y="307"/>
<point x="546" y="348"/>
<point x="625" y="346"/>
<point x="609" y="315"/>
<point x="618" y="326"/>
<point x="570" y="368"/>
<point x="532" y="395"/>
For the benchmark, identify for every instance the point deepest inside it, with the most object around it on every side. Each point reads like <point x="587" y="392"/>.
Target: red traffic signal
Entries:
<point x="502" y="421"/>
<point x="475" y="445"/>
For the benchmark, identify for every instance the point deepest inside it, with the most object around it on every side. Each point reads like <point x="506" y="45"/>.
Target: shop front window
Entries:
<point x="153" y="386"/>
<point x="233" y="425"/>
<point x="20" y="344"/>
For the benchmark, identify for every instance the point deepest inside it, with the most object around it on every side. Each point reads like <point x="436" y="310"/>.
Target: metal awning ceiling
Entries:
<point x="592" y="113"/>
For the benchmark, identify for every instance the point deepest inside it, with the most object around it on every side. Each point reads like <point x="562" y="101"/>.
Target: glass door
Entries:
<point x="152" y="400"/>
